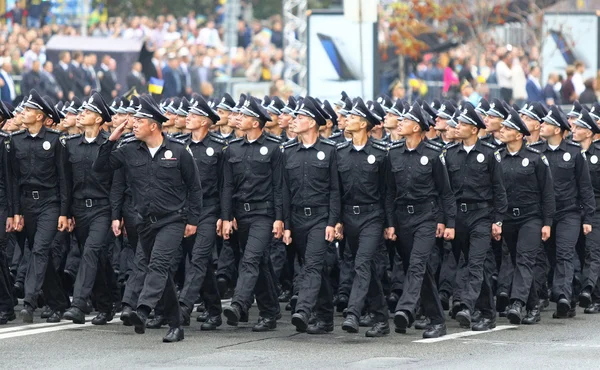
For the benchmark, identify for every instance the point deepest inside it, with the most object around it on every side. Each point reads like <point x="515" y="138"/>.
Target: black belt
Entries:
<point x="524" y="210"/>
<point x="357" y="210"/>
<point x="247" y="207"/>
<point x="210" y="202"/>
<point x="310" y="211"/>
<point x="418" y="207"/>
<point x="467" y="207"/>
<point x="154" y="219"/>
<point x="89" y="203"/>
<point x="36" y="194"/>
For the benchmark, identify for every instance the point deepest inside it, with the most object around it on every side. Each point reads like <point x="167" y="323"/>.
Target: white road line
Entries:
<point x="43" y="330"/>
<point x="464" y="334"/>
<point x="41" y="325"/>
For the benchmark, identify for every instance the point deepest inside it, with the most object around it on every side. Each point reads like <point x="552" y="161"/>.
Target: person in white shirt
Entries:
<point x="504" y="76"/>
<point x="578" y="77"/>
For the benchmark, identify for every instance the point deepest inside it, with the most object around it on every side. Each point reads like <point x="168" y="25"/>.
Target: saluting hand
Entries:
<point x="116" y="134"/>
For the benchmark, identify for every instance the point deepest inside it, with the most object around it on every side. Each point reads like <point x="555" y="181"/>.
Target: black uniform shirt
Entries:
<point x="593" y="157"/>
<point x="528" y="182"/>
<point x="208" y="155"/>
<point x="6" y="183"/>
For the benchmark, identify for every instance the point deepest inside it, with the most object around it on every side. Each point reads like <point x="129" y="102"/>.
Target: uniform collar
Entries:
<point x="100" y="139"/>
<point x="302" y="147"/>
<point x="165" y="144"/>
<point x="365" y="148"/>
<point x="41" y="134"/>
<point x="260" y="140"/>
<point x="418" y="149"/>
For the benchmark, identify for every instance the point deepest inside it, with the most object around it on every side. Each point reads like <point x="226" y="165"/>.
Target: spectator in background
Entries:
<point x="80" y="85"/>
<point x="451" y="80"/>
<point x="108" y="79"/>
<point x="533" y="86"/>
<point x="16" y="14"/>
<point x="398" y="91"/>
<point x="34" y="53"/>
<point x="8" y="92"/>
<point x="136" y="78"/>
<point x="277" y="33"/>
<point x="49" y="85"/>
<point x="519" y="80"/>
<point x="278" y="65"/>
<point x="32" y="79"/>
<point x="588" y="96"/>
<point x="550" y="95"/>
<point x="577" y="79"/>
<point x="567" y="92"/>
<point x="260" y="69"/>
<point x="504" y="76"/>
<point x="209" y="36"/>
<point x="34" y="13"/>
<point x="64" y="75"/>
<point x="172" y="81"/>
<point x="465" y="73"/>
<point x="184" y="70"/>
<point x="468" y="93"/>
<point x="206" y="90"/>
<point x="244" y="34"/>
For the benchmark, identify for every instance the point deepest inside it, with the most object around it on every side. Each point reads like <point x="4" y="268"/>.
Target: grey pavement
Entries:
<point x="552" y="344"/>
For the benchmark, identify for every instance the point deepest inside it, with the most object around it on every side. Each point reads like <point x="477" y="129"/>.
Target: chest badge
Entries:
<point x="566" y="157"/>
<point x="46" y="145"/>
<point x="594" y="159"/>
<point x="321" y="156"/>
<point x="480" y="157"/>
<point x="371" y="159"/>
<point x="210" y="151"/>
<point x="168" y="154"/>
<point x="525" y="162"/>
<point x="264" y="150"/>
<point x="424" y="160"/>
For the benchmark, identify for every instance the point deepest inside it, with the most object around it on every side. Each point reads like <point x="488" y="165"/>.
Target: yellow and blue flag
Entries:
<point x="155" y="85"/>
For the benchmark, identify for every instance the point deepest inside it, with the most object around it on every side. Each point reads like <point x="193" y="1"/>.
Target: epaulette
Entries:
<point x="235" y="140"/>
<point x="18" y="132"/>
<point x="54" y="131"/>
<point x="336" y="134"/>
<point x="597" y="145"/>
<point x="63" y="139"/>
<point x="534" y="150"/>
<point x="434" y="143"/>
<point x="215" y="134"/>
<point x="271" y="138"/>
<point x="536" y="143"/>
<point x="182" y="142"/>
<point x="434" y="147"/>
<point x="342" y="145"/>
<point x="127" y="135"/>
<point x="217" y="139"/>
<point x="398" y="144"/>
<point x="105" y="134"/>
<point x="4" y="134"/>
<point x="451" y="146"/>
<point x="383" y="148"/>
<point x="488" y="144"/>
<point x="290" y="143"/>
<point x="328" y="142"/>
<point x="573" y="143"/>
<point x="127" y="141"/>
<point x="379" y="142"/>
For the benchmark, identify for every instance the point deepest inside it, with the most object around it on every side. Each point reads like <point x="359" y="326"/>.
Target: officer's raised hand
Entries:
<point x="116" y="134"/>
<point x="190" y="230"/>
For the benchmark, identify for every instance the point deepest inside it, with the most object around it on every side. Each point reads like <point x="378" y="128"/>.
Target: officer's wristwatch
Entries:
<point x="499" y="223"/>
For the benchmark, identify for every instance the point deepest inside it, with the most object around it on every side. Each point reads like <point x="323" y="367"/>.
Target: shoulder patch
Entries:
<point x="217" y="139"/>
<point x="534" y="150"/>
<point x="570" y="142"/>
<point x="433" y="147"/>
<point x="380" y="147"/>
<point x="497" y="156"/>
<point x="545" y="160"/>
<point x="328" y="142"/>
<point x="485" y="143"/>
<point x="342" y="145"/>
<point x="18" y="132"/>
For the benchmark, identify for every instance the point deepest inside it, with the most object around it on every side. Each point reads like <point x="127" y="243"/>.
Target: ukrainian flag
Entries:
<point x="155" y="85"/>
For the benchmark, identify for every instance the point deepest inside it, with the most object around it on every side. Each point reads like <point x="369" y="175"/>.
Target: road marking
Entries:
<point x="41" y="325"/>
<point x="464" y="334"/>
<point x="43" y="330"/>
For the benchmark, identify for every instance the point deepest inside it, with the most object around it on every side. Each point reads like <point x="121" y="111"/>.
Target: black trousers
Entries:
<point x="94" y="274"/>
<point x="130" y="221"/>
<point x="152" y="278"/>
<point x="346" y="268"/>
<point x="314" y="288"/>
<point x="229" y="259"/>
<point x="523" y="243"/>
<point x="561" y="252"/>
<point x="199" y="271"/>
<point x="364" y="238"/>
<point x="6" y="285"/>
<point x="41" y="220"/>
<point x="590" y="256"/>
<point x="415" y="242"/>
<point x="473" y="239"/>
<point x="255" y="270"/>
<point x="448" y="267"/>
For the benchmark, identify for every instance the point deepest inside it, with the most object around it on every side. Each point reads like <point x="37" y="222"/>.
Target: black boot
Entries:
<point x="173" y="335"/>
<point x="351" y="324"/>
<point x="378" y="330"/>
<point x="212" y="323"/>
<point x="75" y="314"/>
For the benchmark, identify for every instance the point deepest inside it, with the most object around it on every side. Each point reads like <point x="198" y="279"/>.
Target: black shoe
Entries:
<point x="367" y="321"/>
<point x="288" y="307"/>
<point x="592" y="309"/>
<point x="102" y="318"/>
<point x="435" y="331"/>
<point x="264" y="324"/>
<point x="46" y="312"/>
<point x="138" y="320"/>
<point x="5" y="317"/>
<point x="55" y="316"/>
<point x="345" y="313"/>
<point x="544" y="303"/>
<point x="285" y="296"/>
<point x="515" y="313"/>
<point x="293" y="302"/>
<point x="456" y="307"/>
<point x="157" y="322"/>
<point x="342" y="302"/>
<point x="351" y="324"/>
<point x="445" y="300"/>
<point x="502" y="301"/>
<point x="201" y="307"/>
<point x="393" y="301"/>
<point x="585" y="298"/>
<point x="19" y="290"/>
<point x="484" y="325"/>
<point x="116" y="308"/>
<point x="532" y="317"/>
<point x="503" y="313"/>
<point x="185" y="315"/>
<point x="422" y="324"/>
<point x="244" y="317"/>
<point x="378" y="330"/>
<point x="222" y="284"/>
<point x="27" y="314"/>
<point x="476" y="316"/>
<point x="401" y="321"/>
<point x="203" y="316"/>
<point x="232" y="313"/>
<point x="562" y="307"/>
<point x="211" y="323"/>
<point x="89" y="307"/>
<point x="173" y="335"/>
<point x="75" y="314"/>
<point x="464" y="318"/>
<point x="300" y="321"/>
<point x="573" y="310"/>
<point x="319" y="327"/>
<point x="126" y="315"/>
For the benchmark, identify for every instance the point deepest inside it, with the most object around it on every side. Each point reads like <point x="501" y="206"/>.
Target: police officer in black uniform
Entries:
<point x="7" y="312"/>
<point x="572" y="187"/>
<point x="91" y="212"/>
<point x="38" y="165"/>
<point x="477" y="183"/>
<point x="168" y="197"/>
<point x="252" y="195"/>
<point x="530" y="198"/>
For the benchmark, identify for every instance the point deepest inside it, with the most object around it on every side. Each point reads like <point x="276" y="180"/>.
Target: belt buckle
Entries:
<point x="516" y="212"/>
<point x="410" y="209"/>
<point x="307" y="211"/>
<point x="88" y="203"/>
<point x="35" y="195"/>
<point x="356" y="210"/>
<point x="247" y="207"/>
<point x="463" y="207"/>
<point x="153" y="219"/>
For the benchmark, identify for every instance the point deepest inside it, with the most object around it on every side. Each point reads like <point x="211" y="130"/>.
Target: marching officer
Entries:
<point x="225" y="109"/>
<point x="7" y="312"/>
<point x="252" y="196"/>
<point x="532" y="115"/>
<point x="168" y="197"/>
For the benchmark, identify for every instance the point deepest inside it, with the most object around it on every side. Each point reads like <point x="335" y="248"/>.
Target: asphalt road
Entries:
<point x="552" y="344"/>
